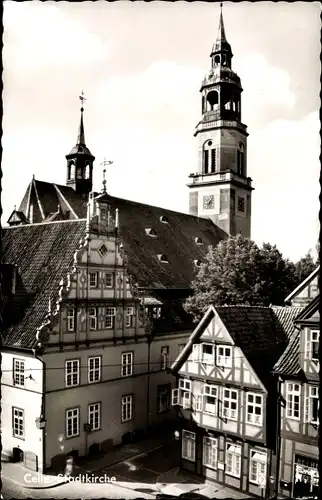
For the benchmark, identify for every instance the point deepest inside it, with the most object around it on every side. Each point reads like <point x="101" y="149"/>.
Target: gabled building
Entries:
<point x="226" y="396"/>
<point x="94" y="287"/>
<point x="298" y="373"/>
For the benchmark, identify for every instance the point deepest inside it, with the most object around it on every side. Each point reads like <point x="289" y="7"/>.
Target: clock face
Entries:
<point x="209" y="202"/>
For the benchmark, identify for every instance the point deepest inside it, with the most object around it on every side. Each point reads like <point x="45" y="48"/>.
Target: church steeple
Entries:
<point x="220" y="189"/>
<point x="80" y="161"/>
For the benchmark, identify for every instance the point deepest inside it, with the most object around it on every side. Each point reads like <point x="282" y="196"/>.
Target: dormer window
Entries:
<point x="151" y="232"/>
<point x="198" y="241"/>
<point x="197" y="262"/>
<point x="164" y="219"/>
<point x="163" y="258"/>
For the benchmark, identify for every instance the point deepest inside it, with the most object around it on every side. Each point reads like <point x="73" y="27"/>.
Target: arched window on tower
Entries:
<point x="68" y="172"/>
<point x="217" y="60"/>
<point x="213" y="100"/>
<point x="224" y="60"/>
<point x="72" y="170"/>
<point x="209" y="158"/>
<point x="203" y="104"/>
<point x="241" y="160"/>
<point x="87" y="171"/>
<point x="79" y="173"/>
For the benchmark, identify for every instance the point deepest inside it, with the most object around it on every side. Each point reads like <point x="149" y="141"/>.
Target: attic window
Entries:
<point x="198" y="241"/>
<point x="151" y="232"/>
<point x="163" y="258"/>
<point x="164" y="219"/>
<point x="197" y="262"/>
<point x="102" y="250"/>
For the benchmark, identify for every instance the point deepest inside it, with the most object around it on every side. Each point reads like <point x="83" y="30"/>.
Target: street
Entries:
<point x="135" y="477"/>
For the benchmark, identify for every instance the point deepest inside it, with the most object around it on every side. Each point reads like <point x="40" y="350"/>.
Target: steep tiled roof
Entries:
<point x="43" y="254"/>
<point x="174" y="239"/>
<point x="254" y="329"/>
<point x="289" y="362"/>
<point x="286" y="316"/>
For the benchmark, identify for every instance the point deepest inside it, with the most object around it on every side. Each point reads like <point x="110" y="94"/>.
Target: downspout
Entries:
<point x="43" y="410"/>
<point x="278" y="436"/>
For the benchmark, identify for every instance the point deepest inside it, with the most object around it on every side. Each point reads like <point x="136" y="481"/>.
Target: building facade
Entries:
<point x="298" y="373"/>
<point x="227" y="398"/>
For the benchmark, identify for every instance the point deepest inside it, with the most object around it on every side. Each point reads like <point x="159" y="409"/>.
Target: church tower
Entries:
<point x="221" y="190"/>
<point x="80" y="162"/>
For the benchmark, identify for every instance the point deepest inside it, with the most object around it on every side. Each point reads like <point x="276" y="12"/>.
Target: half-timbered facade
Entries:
<point x="226" y="397"/>
<point x="298" y="372"/>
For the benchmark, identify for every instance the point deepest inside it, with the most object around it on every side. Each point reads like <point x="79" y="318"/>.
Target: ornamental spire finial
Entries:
<point x="104" y="164"/>
<point x="81" y="132"/>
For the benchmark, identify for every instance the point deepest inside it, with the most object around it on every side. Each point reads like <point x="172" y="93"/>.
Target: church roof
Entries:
<point x="43" y="255"/>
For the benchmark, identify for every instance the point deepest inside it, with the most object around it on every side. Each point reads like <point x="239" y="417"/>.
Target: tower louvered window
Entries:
<point x="206" y="161"/>
<point x="213" y="160"/>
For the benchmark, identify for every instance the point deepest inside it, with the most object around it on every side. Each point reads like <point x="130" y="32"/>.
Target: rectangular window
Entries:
<point x="230" y="402"/>
<point x="206" y="161"/>
<point x="233" y="459"/>
<point x="72" y="372"/>
<point x="241" y="204"/>
<point x="224" y="356"/>
<point x="257" y="470"/>
<point x="127" y="364"/>
<point x="242" y="163"/>
<point x="94" y="369"/>
<point x="313" y="404"/>
<point x="163" y="398"/>
<point x="188" y="445"/>
<point x="185" y="384"/>
<point x="207" y="354"/>
<point x="210" y="398"/>
<point x="94" y="416"/>
<point x="70" y="319"/>
<point x="93" y="279"/>
<point x="19" y="372"/>
<point x="18" y="422"/>
<point x="93" y="318"/>
<point x="293" y="394"/>
<point x="254" y="414"/>
<point x="110" y="313"/>
<point x="128" y="317"/>
<point x="312" y="344"/>
<point x="213" y="160"/>
<point x="108" y="280"/>
<point x="72" y="422"/>
<point x="210" y="452"/>
<point x="165" y="358"/>
<point x="127" y="408"/>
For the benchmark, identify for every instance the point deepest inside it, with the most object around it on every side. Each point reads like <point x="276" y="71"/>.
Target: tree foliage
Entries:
<point x="304" y="267"/>
<point x="237" y="271"/>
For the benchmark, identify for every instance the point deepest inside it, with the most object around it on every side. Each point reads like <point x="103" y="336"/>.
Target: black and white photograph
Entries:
<point x="160" y="255"/>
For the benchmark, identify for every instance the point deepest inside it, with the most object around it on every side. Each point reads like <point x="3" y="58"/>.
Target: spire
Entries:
<point x="81" y="133"/>
<point x="221" y="44"/>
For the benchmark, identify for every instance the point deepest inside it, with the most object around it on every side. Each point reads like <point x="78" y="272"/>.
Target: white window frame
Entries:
<point x="198" y="402"/>
<point x="221" y="356"/>
<point x="94" y="369"/>
<point x="127" y="364"/>
<point x="126" y="408"/>
<point x="258" y="465"/>
<point x="189" y="452"/>
<point x="207" y="359"/>
<point x="228" y="412"/>
<point x="313" y="395"/>
<point x="70" y="314"/>
<point x="94" y="416"/>
<point x="233" y="452"/>
<point x="129" y="311"/>
<point x="210" y="391"/>
<point x="312" y="337"/>
<point x="19" y="372"/>
<point x="185" y="384"/>
<point x="252" y="417"/>
<point x="165" y="357"/>
<point x="210" y="452"/>
<point x="93" y="318"/>
<point x="72" y="415"/>
<point x="109" y="318"/>
<point x="108" y="283"/>
<point x="293" y="400"/>
<point x="18" y="422"/>
<point x="93" y="283"/>
<point x="71" y="369"/>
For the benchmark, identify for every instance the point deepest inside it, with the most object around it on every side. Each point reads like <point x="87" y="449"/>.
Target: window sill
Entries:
<point x="260" y="424"/>
<point x="210" y="466"/>
<point x="232" y="475"/>
<point x="72" y="437"/>
<point x="19" y="437"/>
<point x="126" y="421"/>
<point x="189" y="459"/>
<point x="126" y="376"/>
<point x="94" y="381"/>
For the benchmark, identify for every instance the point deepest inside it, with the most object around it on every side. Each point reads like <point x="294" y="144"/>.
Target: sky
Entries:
<point x="140" y="66"/>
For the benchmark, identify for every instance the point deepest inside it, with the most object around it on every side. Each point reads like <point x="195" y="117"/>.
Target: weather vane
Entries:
<point x="105" y="163"/>
<point x="82" y="99"/>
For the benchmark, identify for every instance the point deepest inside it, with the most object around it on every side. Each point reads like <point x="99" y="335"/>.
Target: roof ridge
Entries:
<point x="44" y="223"/>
